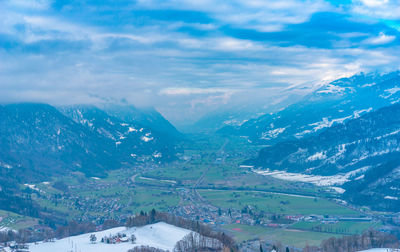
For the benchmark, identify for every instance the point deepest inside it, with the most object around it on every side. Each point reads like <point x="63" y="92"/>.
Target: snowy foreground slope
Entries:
<point x="159" y="235"/>
<point x="381" y="250"/>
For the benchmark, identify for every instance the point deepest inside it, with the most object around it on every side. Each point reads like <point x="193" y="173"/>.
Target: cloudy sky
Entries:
<point x="186" y="57"/>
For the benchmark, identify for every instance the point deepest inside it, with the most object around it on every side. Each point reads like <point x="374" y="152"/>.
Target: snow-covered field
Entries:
<point x="313" y="179"/>
<point x="159" y="235"/>
<point x="329" y="181"/>
<point x="380" y="250"/>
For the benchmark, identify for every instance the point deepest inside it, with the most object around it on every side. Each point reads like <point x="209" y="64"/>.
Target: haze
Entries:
<point x="189" y="58"/>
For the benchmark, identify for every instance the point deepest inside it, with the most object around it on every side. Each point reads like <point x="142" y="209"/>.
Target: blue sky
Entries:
<point x="189" y="57"/>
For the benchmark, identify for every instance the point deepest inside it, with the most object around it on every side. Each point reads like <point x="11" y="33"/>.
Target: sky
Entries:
<point x="187" y="58"/>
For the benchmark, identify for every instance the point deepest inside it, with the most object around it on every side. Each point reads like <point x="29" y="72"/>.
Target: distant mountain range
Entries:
<point x="38" y="140"/>
<point x="351" y="126"/>
<point x="368" y="147"/>
<point x="332" y="104"/>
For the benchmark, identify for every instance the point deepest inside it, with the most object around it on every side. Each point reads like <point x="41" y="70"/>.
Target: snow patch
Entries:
<point x="159" y="235"/>
<point x="389" y="92"/>
<point x="338" y="189"/>
<point x="369" y="85"/>
<point x="33" y="187"/>
<point x="131" y="129"/>
<point x="325" y="123"/>
<point x="316" y="156"/>
<point x="146" y="139"/>
<point x="358" y="113"/>
<point x="332" y="89"/>
<point x="272" y="133"/>
<point x="335" y="180"/>
<point x="157" y="154"/>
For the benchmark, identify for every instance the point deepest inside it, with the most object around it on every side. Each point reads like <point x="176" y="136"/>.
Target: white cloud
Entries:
<point x="381" y="39"/>
<point x="252" y="14"/>
<point x="386" y="9"/>
<point x="192" y="91"/>
<point x="30" y="4"/>
<point x="375" y="3"/>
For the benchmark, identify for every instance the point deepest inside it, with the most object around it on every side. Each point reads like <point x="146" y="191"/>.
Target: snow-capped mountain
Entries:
<point x="146" y="117"/>
<point x="132" y="139"/>
<point x="366" y="148"/>
<point x="332" y="104"/>
<point x="38" y="141"/>
<point x="357" y="143"/>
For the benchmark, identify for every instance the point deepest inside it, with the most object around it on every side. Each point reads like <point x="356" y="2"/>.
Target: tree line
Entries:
<point x="367" y="240"/>
<point x="144" y="218"/>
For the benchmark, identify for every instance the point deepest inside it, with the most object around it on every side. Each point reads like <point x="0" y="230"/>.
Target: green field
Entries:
<point x="343" y="227"/>
<point x="274" y="203"/>
<point x="109" y="197"/>
<point x="288" y="237"/>
<point x="15" y="221"/>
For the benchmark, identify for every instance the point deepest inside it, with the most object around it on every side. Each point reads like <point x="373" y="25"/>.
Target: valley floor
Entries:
<point x="208" y="184"/>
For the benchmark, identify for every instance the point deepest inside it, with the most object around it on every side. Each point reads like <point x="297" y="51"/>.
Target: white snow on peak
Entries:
<point x="391" y="198"/>
<point x="388" y="134"/>
<point x="159" y="235"/>
<point x="131" y="129"/>
<point x="389" y="92"/>
<point x="325" y="123"/>
<point x="7" y="166"/>
<point x="358" y="113"/>
<point x="157" y="154"/>
<point x="331" y="89"/>
<point x="369" y="85"/>
<point x="146" y="139"/>
<point x="235" y="122"/>
<point x="338" y="189"/>
<point x="317" y="156"/>
<point x="272" y="133"/>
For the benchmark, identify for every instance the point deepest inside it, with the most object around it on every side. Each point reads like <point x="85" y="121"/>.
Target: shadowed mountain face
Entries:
<point x="38" y="141"/>
<point x="368" y="146"/>
<point x="132" y="138"/>
<point x="147" y="117"/>
<point x="332" y="104"/>
<point x="366" y="141"/>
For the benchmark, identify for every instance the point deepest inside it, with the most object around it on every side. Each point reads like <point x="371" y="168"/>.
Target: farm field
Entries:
<point x="343" y="227"/>
<point x="15" y="221"/>
<point x="289" y="237"/>
<point x="274" y="203"/>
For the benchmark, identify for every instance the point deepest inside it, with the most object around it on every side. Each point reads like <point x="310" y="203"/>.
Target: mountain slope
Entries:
<point x="332" y="104"/>
<point x="131" y="139"/>
<point x="38" y="141"/>
<point x="147" y="117"/>
<point x="366" y="141"/>
<point x="365" y="149"/>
